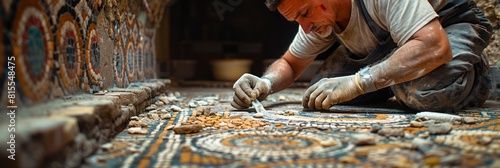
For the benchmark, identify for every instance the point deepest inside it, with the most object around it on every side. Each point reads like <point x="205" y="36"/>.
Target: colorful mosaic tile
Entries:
<point x="149" y="61"/>
<point x="93" y="56"/>
<point x="304" y="139"/>
<point x="70" y="47"/>
<point x="135" y="31"/>
<point x="131" y="62"/>
<point x="33" y="49"/>
<point x="140" y="60"/>
<point x="96" y="5"/>
<point x="54" y="6"/>
<point x="124" y="33"/>
<point x="84" y="14"/>
<point x="58" y="46"/>
<point x="119" y="62"/>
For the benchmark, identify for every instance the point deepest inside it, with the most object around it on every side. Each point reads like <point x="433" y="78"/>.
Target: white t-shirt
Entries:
<point x="402" y="18"/>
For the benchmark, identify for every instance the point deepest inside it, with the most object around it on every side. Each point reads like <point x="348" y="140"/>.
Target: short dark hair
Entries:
<point x="273" y="4"/>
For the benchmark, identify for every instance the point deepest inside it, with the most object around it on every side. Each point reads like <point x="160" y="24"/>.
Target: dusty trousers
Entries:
<point x="463" y="82"/>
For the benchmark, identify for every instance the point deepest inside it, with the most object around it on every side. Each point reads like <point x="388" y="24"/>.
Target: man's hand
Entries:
<point x="249" y="87"/>
<point x="330" y="91"/>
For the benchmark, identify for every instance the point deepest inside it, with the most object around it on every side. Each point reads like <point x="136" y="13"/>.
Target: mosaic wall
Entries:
<point x="491" y="10"/>
<point x="75" y="46"/>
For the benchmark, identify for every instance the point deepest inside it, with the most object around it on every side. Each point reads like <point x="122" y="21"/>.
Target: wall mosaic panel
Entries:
<point x="118" y="62"/>
<point x="33" y="49"/>
<point x="131" y="62"/>
<point x="93" y="56"/>
<point x="60" y="46"/>
<point x="70" y="47"/>
<point x="140" y="60"/>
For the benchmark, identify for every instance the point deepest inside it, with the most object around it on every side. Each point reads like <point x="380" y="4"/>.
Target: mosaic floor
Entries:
<point x="293" y="137"/>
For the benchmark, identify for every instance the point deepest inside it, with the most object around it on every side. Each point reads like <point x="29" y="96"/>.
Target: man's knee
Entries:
<point x="444" y="89"/>
<point x="416" y="100"/>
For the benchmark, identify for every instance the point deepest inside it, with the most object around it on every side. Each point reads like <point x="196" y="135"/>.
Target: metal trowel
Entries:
<point x="258" y="107"/>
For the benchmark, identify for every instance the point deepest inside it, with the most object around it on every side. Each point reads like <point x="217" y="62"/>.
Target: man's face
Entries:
<point x="312" y="15"/>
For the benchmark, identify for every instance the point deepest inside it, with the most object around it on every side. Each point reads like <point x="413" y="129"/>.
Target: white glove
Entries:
<point x="248" y="88"/>
<point x="330" y="91"/>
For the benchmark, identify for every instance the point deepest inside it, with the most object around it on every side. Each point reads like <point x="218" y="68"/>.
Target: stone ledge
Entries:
<point x="62" y="132"/>
<point x="40" y="137"/>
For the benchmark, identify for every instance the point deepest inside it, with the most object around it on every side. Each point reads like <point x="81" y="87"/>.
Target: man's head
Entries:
<point x="317" y="16"/>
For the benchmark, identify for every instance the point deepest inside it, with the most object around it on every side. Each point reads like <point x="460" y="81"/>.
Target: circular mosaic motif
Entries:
<point x="148" y="60"/>
<point x="140" y="60"/>
<point x="33" y="49"/>
<point x="93" y="55"/>
<point x="131" y="61"/>
<point x="118" y="62"/>
<point x="69" y="43"/>
<point x="256" y="144"/>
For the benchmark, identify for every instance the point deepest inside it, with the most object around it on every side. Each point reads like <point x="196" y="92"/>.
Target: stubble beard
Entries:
<point x="327" y="31"/>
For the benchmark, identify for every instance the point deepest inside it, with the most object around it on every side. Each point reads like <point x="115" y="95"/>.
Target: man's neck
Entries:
<point x="343" y="12"/>
<point x="342" y="25"/>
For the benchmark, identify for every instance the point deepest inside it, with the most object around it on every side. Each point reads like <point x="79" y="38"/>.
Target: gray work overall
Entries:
<point x="462" y="82"/>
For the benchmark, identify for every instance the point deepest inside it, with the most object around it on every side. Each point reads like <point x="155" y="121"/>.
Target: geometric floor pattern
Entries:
<point x="304" y="139"/>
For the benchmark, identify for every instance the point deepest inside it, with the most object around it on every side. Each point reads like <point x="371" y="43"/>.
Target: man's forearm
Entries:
<point x="283" y="72"/>
<point x="280" y="74"/>
<point x="403" y="66"/>
<point x="416" y="58"/>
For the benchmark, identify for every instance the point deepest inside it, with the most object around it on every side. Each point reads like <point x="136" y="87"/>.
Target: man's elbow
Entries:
<point x="439" y="50"/>
<point x="436" y="43"/>
<point x="443" y="51"/>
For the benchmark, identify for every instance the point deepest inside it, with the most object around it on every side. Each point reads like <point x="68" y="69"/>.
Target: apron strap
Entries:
<point x="385" y="46"/>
